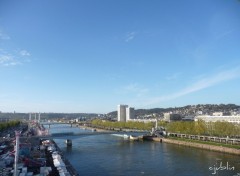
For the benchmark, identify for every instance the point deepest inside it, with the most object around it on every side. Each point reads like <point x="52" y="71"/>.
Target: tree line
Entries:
<point x="126" y="125"/>
<point x="5" y="125"/>
<point x="220" y="129"/>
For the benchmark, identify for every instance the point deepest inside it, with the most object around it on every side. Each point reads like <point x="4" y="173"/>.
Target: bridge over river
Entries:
<point x="49" y="124"/>
<point x="87" y="131"/>
<point x="61" y="134"/>
<point x="72" y="135"/>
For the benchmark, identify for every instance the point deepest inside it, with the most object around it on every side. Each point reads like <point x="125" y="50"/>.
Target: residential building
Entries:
<point x="232" y="119"/>
<point x="130" y="113"/>
<point x="169" y="117"/>
<point x="122" y="113"/>
<point x="217" y="114"/>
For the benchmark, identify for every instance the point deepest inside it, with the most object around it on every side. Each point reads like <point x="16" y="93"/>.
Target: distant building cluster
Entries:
<point x="216" y="116"/>
<point x="221" y="118"/>
<point x="125" y="113"/>
<point x="4" y="119"/>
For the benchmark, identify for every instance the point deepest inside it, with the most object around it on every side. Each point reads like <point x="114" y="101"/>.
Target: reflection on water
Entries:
<point x="69" y="149"/>
<point x="111" y="155"/>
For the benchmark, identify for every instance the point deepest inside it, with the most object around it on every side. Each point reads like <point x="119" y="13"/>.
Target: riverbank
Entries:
<point x="179" y="142"/>
<point x="68" y="165"/>
<point x="202" y="146"/>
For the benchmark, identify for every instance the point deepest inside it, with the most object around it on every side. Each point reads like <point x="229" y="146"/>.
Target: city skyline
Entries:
<point x="89" y="56"/>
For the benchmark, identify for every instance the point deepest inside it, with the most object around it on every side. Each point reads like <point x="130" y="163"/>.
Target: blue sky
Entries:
<point x="91" y="55"/>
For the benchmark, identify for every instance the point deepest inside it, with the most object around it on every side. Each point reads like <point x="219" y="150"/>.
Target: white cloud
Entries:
<point x="201" y="84"/>
<point x="130" y="36"/>
<point x="8" y="60"/>
<point x="15" y="58"/>
<point x="24" y="53"/>
<point x="5" y="58"/>
<point x="4" y="36"/>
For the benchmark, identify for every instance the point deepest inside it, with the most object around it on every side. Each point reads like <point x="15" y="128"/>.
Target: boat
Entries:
<point x="155" y="134"/>
<point x="133" y="138"/>
<point x="152" y="138"/>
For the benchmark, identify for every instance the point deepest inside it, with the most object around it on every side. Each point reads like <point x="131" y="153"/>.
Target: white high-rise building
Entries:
<point x="122" y="113"/>
<point x="130" y="113"/>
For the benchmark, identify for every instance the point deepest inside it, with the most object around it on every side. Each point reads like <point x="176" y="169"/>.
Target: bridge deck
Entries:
<point x="74" y="135"/>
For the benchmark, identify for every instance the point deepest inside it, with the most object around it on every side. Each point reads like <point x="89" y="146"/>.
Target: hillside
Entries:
<point x="187" y="110"/>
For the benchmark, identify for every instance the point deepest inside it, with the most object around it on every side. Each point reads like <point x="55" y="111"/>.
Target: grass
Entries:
<point x="206" y="142"/>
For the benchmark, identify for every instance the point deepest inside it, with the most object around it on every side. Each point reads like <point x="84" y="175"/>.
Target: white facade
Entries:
<point x="143" y="120"/>
<point x="130" y="113"/>
<point x="217" y="114"/>
<point x="232" y="119"/>
<point x="199" y="112"/>
<point x="122" y="113"/>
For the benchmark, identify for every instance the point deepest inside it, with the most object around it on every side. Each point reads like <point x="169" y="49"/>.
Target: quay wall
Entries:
<point x="203" y="146"/>
<point x="69" y="166"/>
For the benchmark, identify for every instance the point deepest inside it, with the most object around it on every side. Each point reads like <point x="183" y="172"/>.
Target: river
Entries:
<point x="107" y="155"/>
